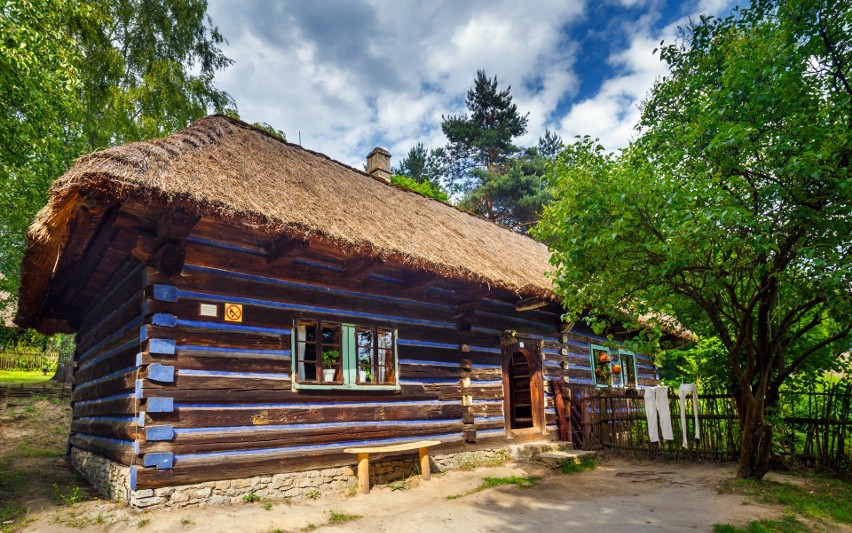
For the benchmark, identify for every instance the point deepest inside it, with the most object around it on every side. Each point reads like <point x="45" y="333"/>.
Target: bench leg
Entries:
<point x="364" y="473"/>
<point x="425" y="467"/>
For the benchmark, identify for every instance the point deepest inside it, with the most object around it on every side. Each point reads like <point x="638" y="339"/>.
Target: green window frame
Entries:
<point x="354" y="357"/>
<point x="601" y="371"/>
<point x="628" y="368"/>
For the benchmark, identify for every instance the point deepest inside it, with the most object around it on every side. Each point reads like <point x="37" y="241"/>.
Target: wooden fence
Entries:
<point x="29" y="361"/>
<point x="811" y="428"/>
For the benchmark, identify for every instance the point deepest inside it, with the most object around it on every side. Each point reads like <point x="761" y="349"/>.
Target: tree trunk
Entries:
<point x="756" y="440"/>
<point x="65" y="368"/>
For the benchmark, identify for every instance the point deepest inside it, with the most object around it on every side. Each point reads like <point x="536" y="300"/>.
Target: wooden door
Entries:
<point x="523" y="387"/>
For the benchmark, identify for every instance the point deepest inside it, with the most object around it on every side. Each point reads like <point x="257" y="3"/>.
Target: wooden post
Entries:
<point x="364" y="473"/>
<point x="425" y="466"/>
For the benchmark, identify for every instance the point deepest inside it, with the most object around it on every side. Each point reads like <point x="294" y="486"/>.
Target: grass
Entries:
<point x="29" y="474"/>
<point x="28" y="377"/>
<point x="787" y="524"/>
<point x="491" y="482"/>
<point x="10" y="513"/>
<point x="585" y="463"/>
<point x="338" y="517"/>
<point x="251" y="497"/>
<point x="818" y="498"/>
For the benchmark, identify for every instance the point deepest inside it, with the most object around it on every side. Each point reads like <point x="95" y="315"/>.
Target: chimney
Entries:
<point x="379" y="165"/>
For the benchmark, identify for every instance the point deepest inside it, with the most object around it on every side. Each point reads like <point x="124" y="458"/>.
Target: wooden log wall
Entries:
<point x="104" y="402"/>
<point x="185" y="398"/>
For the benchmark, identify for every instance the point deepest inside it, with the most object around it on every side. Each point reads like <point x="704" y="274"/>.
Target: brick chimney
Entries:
<point x="379" y="164"/>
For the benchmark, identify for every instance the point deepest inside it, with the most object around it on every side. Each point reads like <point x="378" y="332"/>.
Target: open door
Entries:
<point x="523" y="387"/>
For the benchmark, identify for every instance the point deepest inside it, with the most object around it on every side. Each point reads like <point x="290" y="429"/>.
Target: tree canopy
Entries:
<point x="79" y="76"/>
<point x="731" y="211"/>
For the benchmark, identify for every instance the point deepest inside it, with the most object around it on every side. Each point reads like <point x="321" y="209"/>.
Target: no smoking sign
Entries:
<point x="233" y="313"/>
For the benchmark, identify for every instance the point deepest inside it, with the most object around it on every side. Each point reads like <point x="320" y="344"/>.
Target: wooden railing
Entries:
<point x="811" y="428"/>
<point x="10" y="360"/>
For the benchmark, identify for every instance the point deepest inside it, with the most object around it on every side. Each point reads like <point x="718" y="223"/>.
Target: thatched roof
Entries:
<point x="228" y="169"/>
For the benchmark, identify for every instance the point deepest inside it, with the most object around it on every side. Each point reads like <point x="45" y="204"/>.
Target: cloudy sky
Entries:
<point x="349" y="75"/>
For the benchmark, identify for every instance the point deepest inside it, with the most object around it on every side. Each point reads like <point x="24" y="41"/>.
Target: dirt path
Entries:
<point x="617" y="496"/>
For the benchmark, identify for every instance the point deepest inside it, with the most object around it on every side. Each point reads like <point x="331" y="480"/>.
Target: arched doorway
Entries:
<point x="523" y="387"/>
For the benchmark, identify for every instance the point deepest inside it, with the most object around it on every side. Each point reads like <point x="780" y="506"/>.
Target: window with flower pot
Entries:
<point x="601" y="366"/>
<point x="335" y="355"/>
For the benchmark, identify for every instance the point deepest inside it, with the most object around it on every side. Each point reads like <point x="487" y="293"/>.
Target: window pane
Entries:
<point x="385" y="339"/>
<point x="330" y="334"/>
<point x="365" y="336"/>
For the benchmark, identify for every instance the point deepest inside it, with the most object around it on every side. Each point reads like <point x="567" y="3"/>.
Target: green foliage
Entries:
<point x="787" y="524"/>
<point x="80" y="76"/>
<point x="817" y="497"/>
<point x="513" y="196"/>
<point x="523" y="482"/>
<point x="425" y="188"/>
<point x="251" y="497"/>
<point x="18" y="376"/>
<point x="422" y="165"/>
<point x="271" y="130"/>
<point x="730" y="212"/>
<point x="330" y="356"/>
<point x="339" y="517"/>
<point x="69" y="495"/>
<point x="483" y="138"/>
<point x="584" y="463"/>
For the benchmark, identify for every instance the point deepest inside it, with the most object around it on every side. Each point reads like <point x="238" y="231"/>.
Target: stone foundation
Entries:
<point x="111" y="479"/>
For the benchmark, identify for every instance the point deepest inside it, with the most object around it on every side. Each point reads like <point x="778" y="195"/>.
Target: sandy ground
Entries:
<point x="618" y="496"/>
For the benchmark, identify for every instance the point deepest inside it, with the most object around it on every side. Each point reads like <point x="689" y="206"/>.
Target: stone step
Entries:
<point x="559" y="458"/>
<point x="530" y="450"/>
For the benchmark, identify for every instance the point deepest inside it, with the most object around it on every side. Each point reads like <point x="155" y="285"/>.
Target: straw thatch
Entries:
<point x="225" y="168"/>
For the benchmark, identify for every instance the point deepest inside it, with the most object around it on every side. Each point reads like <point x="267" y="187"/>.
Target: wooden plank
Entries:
<point x="108" y="387"/>
<point x="105" y="428"/>
<point x="117" y="406"/>
<point x="120" y="453"/>
<point x="393" y="447"/>
<point x="261" y="437"/>
<point x="226" y="361"/>
<point x="121" y="358"/>
<point x="185" y="416"/>
<point x="214" y="384"/>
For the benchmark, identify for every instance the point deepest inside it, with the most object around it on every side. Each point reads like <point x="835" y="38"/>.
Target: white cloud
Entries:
<point x="351" y="75"/>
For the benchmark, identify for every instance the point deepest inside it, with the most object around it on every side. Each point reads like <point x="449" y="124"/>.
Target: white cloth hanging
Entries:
<point x="682" y="392"/>
<point x="657" y="404"/>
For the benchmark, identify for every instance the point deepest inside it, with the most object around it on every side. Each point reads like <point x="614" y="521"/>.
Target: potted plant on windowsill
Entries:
<point x="330" y="359"/>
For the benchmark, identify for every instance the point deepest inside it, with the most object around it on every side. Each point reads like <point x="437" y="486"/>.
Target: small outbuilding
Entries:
<point x="246" y="309"/>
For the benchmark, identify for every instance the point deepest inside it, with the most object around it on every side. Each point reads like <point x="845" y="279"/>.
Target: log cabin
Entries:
<point x="245" y="308"/>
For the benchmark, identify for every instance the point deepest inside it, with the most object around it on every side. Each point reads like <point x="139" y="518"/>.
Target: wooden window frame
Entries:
<point x="348" y="361"/>
<point x="632" y="356"/>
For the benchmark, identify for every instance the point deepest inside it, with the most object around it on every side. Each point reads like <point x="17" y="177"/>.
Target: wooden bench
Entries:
<point x="422" y="446"/>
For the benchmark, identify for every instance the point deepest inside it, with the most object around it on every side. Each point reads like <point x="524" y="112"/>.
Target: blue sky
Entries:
<point x="353" y="74"/>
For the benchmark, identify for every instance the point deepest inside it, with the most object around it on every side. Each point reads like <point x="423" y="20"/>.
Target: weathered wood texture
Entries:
<point x="103" y="402"/>
<point x="219" y="395"/>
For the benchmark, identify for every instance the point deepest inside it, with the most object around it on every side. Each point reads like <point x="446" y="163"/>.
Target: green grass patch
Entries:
<point x="338" y="517"/>
<point x="585" y="463"/>
<point x="818" y="498"/>
<point x="24" y="376"/>
<point x="491" y="482"/>
<point x="787" y="524"/>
